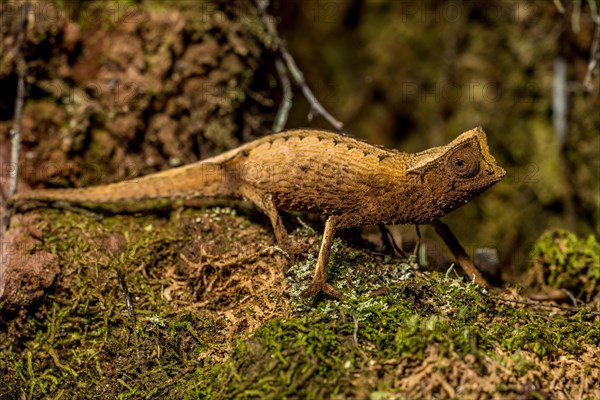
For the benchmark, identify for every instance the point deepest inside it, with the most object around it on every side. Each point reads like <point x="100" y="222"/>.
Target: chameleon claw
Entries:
<point x="331" y="292"/>
<point x="317" y="287"/>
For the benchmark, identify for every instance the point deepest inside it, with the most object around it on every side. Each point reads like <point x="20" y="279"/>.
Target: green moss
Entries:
<point x="316" y="356"/>
<point x="320" y="352"/>
<point x="79" y="340"/>
<point x="568" y="262"/>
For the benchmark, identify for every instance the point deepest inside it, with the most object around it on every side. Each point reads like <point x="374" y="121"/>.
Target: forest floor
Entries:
<point x="215" y="317"/>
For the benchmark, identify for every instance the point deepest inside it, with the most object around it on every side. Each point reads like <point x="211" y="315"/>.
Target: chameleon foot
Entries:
<point x="317" y="287"/>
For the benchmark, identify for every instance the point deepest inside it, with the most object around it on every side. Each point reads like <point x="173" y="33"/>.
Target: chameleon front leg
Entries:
<point x="264" y="202"/>
<point x="319" y="282"/>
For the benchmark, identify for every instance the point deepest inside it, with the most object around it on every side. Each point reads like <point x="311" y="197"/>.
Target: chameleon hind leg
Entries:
<point x="265" y="203"/>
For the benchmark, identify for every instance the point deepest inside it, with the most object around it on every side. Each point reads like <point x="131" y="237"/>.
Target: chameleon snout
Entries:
<point x="495" y="172"/>
<point x="500" y="172"/>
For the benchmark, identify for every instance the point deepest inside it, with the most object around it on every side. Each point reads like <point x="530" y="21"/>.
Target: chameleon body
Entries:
<point x="351" y="182"/>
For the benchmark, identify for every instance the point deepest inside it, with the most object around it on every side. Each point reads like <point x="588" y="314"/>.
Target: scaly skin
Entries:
<point x="350" y="181"/>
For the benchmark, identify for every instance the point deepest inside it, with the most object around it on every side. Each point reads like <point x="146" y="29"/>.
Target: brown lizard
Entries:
<point x="351" y="182"/>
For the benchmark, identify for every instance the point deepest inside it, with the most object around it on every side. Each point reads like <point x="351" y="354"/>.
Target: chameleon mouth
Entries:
<point x="497" y="172"/>
<point x="490" y="176"/>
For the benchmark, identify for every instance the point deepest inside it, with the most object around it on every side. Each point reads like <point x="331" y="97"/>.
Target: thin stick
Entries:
<point x="391" y="241"/>
<point x="574" y="300"/>
<point x="315" y="105"/>
<point x="459" y="253"/>
<point x="594" y="63"/>
<point x="418" y="243"/>
<point x="286" y="102"/>
<point x="295" y="72"/>
<point x="15" y="132"/>
<point x="355" y="332"/>
<point x="559" y="6"/>
<point x="575" y="15"/>
<point x="130" y="309"/>
<point x="542" y="305"/>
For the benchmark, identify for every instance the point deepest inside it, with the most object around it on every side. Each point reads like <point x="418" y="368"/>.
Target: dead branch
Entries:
<point x="594" y="63"/>
<point x="15" y="132"/>
<point x="286" y="102"/>
<point x="297" y="75"/>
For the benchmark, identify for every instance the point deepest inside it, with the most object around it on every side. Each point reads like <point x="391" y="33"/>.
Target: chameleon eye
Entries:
<point x="463" y="162"/>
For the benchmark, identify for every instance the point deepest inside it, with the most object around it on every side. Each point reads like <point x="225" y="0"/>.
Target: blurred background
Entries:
<point x="119" y="89"/>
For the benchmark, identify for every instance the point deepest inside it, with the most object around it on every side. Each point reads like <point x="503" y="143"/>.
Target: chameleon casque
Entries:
<point x="351" y="182"/>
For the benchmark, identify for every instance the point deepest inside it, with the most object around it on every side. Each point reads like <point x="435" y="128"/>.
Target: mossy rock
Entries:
<point x="568" y="262"/>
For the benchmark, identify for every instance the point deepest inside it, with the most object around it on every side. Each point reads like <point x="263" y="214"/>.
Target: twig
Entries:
<point x="560" y="99"/>
<point x="306" y="226"/>
<point x="355" y="331"/>
<point x="594" y="11"/>
<point x="15" y="132"/>
<point x="315" y="105"/>
<point x="459" y="253"/>
<point x="542" y="305"/>
<point x="130" y="309"/>
<point x="574" y="300"/>
<point x="418" y="243"/>
<point x="542" y="317"/>
<point x="575" y="16"/>
<point x="292" y="67"/>
<point x="388" y="236"/>
<point x="286" y="102"/>
<point x="594" y="62"/>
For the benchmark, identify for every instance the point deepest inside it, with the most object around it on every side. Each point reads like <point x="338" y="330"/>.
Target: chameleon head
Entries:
<point x="469" y="166"/>
<point x="457" y="172"/>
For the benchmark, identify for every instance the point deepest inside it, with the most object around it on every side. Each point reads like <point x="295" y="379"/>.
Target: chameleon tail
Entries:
<point x="205" y="179"/>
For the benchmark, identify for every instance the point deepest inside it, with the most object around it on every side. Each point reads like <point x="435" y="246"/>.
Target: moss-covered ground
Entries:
<point x="216" y="318"/>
